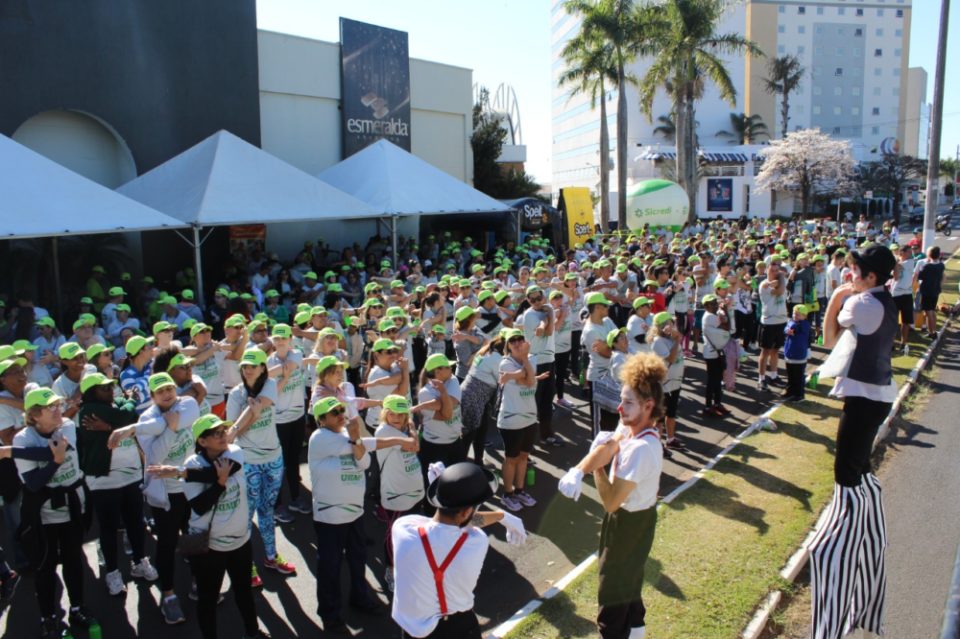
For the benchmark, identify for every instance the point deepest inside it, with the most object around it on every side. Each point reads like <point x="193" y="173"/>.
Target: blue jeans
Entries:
<point x="11" y="521"/>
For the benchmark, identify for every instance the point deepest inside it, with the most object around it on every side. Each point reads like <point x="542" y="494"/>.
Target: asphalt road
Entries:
<point x="563" y="534"/>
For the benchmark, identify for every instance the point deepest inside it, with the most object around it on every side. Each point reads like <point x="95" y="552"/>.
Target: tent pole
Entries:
<point x="519" y="231"/>
<point x="393" y="232"/>
<point x="198" y="268"/>
<point x="56" y="280"/>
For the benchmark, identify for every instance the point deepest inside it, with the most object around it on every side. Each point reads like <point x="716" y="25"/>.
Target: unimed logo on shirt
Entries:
<point x="230" y="500"/>
<point x="528" y="392"/>
<point x="349" y="463"/>
<point x="266" y="418"/>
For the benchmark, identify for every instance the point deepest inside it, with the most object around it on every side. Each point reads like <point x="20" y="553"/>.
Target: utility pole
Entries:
<point x="936" y="120"/>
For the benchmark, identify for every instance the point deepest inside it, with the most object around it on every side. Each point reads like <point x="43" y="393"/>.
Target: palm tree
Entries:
<point x="785" y="75"/>
<point x="681" y="39"/>
<point x="615" y="22"/>
<point x="589" y="70"/>
<point x="667" y="127"/>
<point x="745" y="129"/>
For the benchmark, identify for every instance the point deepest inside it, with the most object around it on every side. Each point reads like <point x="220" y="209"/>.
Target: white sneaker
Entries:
<point x="388" y="579"/>
<point x="115" y="583"/>
<point x="906" y="349"/>
<point x="144" y="570"/>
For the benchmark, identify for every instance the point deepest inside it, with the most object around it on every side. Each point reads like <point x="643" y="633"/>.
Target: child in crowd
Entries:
<point x="796" y="350"/>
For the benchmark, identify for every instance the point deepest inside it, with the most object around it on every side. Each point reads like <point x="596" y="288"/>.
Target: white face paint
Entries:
<point x="859" y="283"/>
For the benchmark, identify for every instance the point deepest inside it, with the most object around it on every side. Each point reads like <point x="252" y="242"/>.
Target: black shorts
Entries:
<point x="928" y="302"/>
<point x="771" y="335"/>
<point x="671" y="400"/>
<point x="519" y="440"/>
<point x="904" y="304"/>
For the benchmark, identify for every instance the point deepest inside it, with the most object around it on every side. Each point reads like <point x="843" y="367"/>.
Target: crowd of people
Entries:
<point x="161" y="417"/>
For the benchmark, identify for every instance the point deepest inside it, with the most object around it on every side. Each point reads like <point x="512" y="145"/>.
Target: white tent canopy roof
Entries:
<point x="41" y="198"/>
<point x="398" y="183"/>
<point x="226" y="180"/>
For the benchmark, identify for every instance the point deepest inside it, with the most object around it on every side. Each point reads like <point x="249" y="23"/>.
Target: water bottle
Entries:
<point x="531" y="477"/>
<point x="814" y="380"/>
<point x="95" y="632"/>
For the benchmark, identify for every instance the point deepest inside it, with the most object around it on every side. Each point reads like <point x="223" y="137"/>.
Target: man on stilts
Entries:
<point x="847" y="573"/>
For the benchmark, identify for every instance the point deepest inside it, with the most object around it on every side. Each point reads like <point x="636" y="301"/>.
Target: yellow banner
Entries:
<point x="578" y="208"/>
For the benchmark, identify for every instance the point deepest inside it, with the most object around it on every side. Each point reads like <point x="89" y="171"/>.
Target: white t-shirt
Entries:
<point x="68" y="473"/>
<point x="401" y="480"/>
<point x="182" y="392"/>
<point x="416" y="605"/>
<point x="209" y="372"/>
<point x="167" y="447"/>
<point x="541" y="348"/>
<point x="292" y="398"/>
<point x="639" y="460"/>
<point x="125" y="468"/>
<point x="518" y="403"/>
<point x="774" y="307"/>
<point x="562" y="332"/>
<point x="228" y="520"/>
<point x="904" y="283"/>
<point x="379" y="391"/>
<point x="336" y="477"/>
<point x="230" y="373"/>
<point x="259" y="442"/>
<point x="662" y="347"/>
<point x="599" y="364"/>
<point x="637" y="327"/>
<point x="834" y="278"/>
<point x="486" y="368"/>
<point x="864" y="314"/>
<point x="437" y="431"/>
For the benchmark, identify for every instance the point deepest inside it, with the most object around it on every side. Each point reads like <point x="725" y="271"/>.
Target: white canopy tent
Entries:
<point x="397" y="183"/>
<point x="224" y="180"/>
<point x="41" y="198"/>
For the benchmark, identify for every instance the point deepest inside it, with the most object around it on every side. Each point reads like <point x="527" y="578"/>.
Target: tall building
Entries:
<point x="854" y="52"/>
<point x="917" y="116"/>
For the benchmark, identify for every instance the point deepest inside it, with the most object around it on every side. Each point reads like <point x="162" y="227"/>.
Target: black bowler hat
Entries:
<point x="877" y="259"/>
<point x="461" y="486"/>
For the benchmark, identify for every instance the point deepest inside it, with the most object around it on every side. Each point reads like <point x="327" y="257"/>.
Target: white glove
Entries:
<point x="516" y="533"/>
<point x="434" y="470"/>
<point x="570" y="484"/>
<point x="602" y="438"/>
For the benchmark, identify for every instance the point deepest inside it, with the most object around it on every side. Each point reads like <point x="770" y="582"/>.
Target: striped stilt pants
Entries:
<point x="847" y="572"/>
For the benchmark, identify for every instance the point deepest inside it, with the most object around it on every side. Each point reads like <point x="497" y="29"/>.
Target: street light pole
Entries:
<point x="936" y="120"/>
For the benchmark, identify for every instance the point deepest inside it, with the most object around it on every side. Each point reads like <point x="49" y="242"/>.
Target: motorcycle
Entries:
<point x="942" y="225"/>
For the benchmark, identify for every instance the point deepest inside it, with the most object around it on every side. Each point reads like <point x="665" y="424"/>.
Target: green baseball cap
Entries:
<point x="317" y="310"/>
<point x="395" y="311"/>
<point x="159" y="380"/>
<point x="161" y="326"/>
<point x="301" y="318"/>
<point x="499" y="296"/>
<point x="613" y="335"/>
<point x="40" y="397"/>
<point x="437" y="360"/>
<point x="326" y="362"/>
<point x="328" y="331"/>
<point x="802" y="309"/>
<point x="484" y="295"/>
<point x="205" y="423"/>
<point x="642" y="301"/>
<point x="662" y="318"/>
<point x="721" y="283"/>
<point x="512" y="333"/>
<point x="23" y="345"/>
<point x="198" y="328"/>
<point x="253" y="357"/>
<point x="383" y="344"/>
<point x="709" y="298"/>
<point x="116" y="291"/>
<point x="396" y="404"/>
<point x="179" y="360"/>
<point x="596" y="298"/>
<point x="7" y="363"/>
<point x="386" y="324"/>
<point x="439" y="329"/>
<point x="464" y="312"/>
<point x="70" y="350"/>
<point x="46" y="321"/>
<point x="95" y="379"/>
<point x="95" y="350"/>
<point x="282" y="330"/>
<point x="325" y="405"/>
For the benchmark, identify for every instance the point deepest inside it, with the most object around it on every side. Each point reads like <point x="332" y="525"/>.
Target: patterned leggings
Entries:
<point x="263" y="488"/>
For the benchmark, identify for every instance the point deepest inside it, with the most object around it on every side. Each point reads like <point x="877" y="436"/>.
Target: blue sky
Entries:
<point x="509" y="41"/>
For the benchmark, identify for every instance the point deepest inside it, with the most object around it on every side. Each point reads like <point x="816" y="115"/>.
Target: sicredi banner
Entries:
<point x="375" y="85"/>
<point x="657" y="203"/>
<point x="577" y="206"/>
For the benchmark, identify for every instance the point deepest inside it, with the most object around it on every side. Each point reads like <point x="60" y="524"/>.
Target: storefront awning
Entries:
<point x="711" y="157"/>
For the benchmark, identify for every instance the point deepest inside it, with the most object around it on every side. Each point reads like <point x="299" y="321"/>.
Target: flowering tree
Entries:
<point x="810" y="162"/>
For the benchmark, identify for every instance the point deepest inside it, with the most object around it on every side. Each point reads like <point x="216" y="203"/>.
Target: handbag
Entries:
<point x="193" y="544"/>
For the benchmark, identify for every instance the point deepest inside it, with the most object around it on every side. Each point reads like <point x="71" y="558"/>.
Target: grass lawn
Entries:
<point x="720" y="545"/>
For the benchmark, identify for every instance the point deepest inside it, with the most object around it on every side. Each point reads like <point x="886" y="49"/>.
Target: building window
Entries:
<point x="817" y="90"/>
<point x="855" y="91"/>
<point x="896" y="91"/>
<point x="876" y="91"/>
<point x="819" y="11"/>
<point x="838" y="71"/>
<point x="801" y="49"/>
<point x="841" y="11"/>
<point x="898" y="33"/>
<point x="854" y="110"/>
<point x="838" y="90"/>
<point x="818" y="29"/>
<point x="877" y="71"/>
<point x="878" y="53"/>
<point x="818" y="51"/>
<point x="875" y="130"/>
<point x="816" y="109"/>
<point x="858" y="32"/>
<point x="801" y="29"/>
<point x="836" y="130"/>
<point x="896" y="53"/>
<point x="879" y="13"/>
<point x="783" y="9"/>
<point x="837" y="111"/>
<point x="896" y="72"/>
<point x="801" y="10"/>
<point x="879" y="33"/>
<point x="856" y="52"/>
<point x="875" y="111"/>
<point x="840" y="51"/>
<point x="841" y="31"/>
<point x="816" y="72"/>
<point x="899" y="13"/>
<point x="781" y="49"/>
<point x="781" y="28"/>
<point x="859" y="12"/>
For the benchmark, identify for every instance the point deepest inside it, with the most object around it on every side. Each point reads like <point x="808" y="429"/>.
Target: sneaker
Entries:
<point x="301" y="505"/>
<point x="793" y="399"/>
<point x="255" y="580"/>
<point x="564" y="403"/>
<point x="723" y="410"/>
<point x="144" y="570"/>
<point x="525" y="499"/>
<point x="8" y="585"/>
<point x="280" y="565"/>
<point x="115" y="583"/>
<point x="674" y="443"/>
<point x="81" y="617"/>
<point x="51" y="628"/>
<point x="283" y="515"/>
<point x="762" y="385"/>
<point x="776" y="381"/>
<point x="388" y="580"/>
<point x="554" y="441"/>
<point x="171" y="610"/>
<point x="906" y="349"/>
<point x="195" y="597"/>
<point x="510" y="502"/>
<point x="667" y="454"/>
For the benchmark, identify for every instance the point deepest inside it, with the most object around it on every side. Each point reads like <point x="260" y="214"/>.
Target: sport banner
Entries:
<point x="577" y="207"/>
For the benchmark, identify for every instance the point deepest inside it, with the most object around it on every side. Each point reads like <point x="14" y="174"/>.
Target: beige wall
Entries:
<point x="905" y="86"/>
<point x="916" y="90"/>
<point x="762" y="29"/>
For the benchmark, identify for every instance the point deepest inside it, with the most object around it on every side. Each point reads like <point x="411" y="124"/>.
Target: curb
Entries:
<point x="507" y="626"/>
<point x="799" y="558"/>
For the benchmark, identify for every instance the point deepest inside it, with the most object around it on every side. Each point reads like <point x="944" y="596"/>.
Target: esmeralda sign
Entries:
<point x="375" y="85"/>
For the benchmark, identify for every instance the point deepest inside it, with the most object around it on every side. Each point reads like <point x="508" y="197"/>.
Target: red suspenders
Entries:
<point x="439" y="570"/>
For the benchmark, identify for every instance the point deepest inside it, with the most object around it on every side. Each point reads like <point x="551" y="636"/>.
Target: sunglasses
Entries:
<point x="535" y="299"/>
<point x="219" y="431"/>
<point x="390" y="351"/>
<point x="336" y="412"/>
<point x="515" y="340"/>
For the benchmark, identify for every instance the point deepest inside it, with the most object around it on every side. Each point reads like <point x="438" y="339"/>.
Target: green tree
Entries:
<point x="745" y="129"/>
<point x="784" y="76"/>
<point x="487" y="142"/>
<point x="589" y="70"/>
<point x="680" y="36"/>
<point x="617" y="24"/>
<point x="667" y="127"/>
<point x="890" y="175"/>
